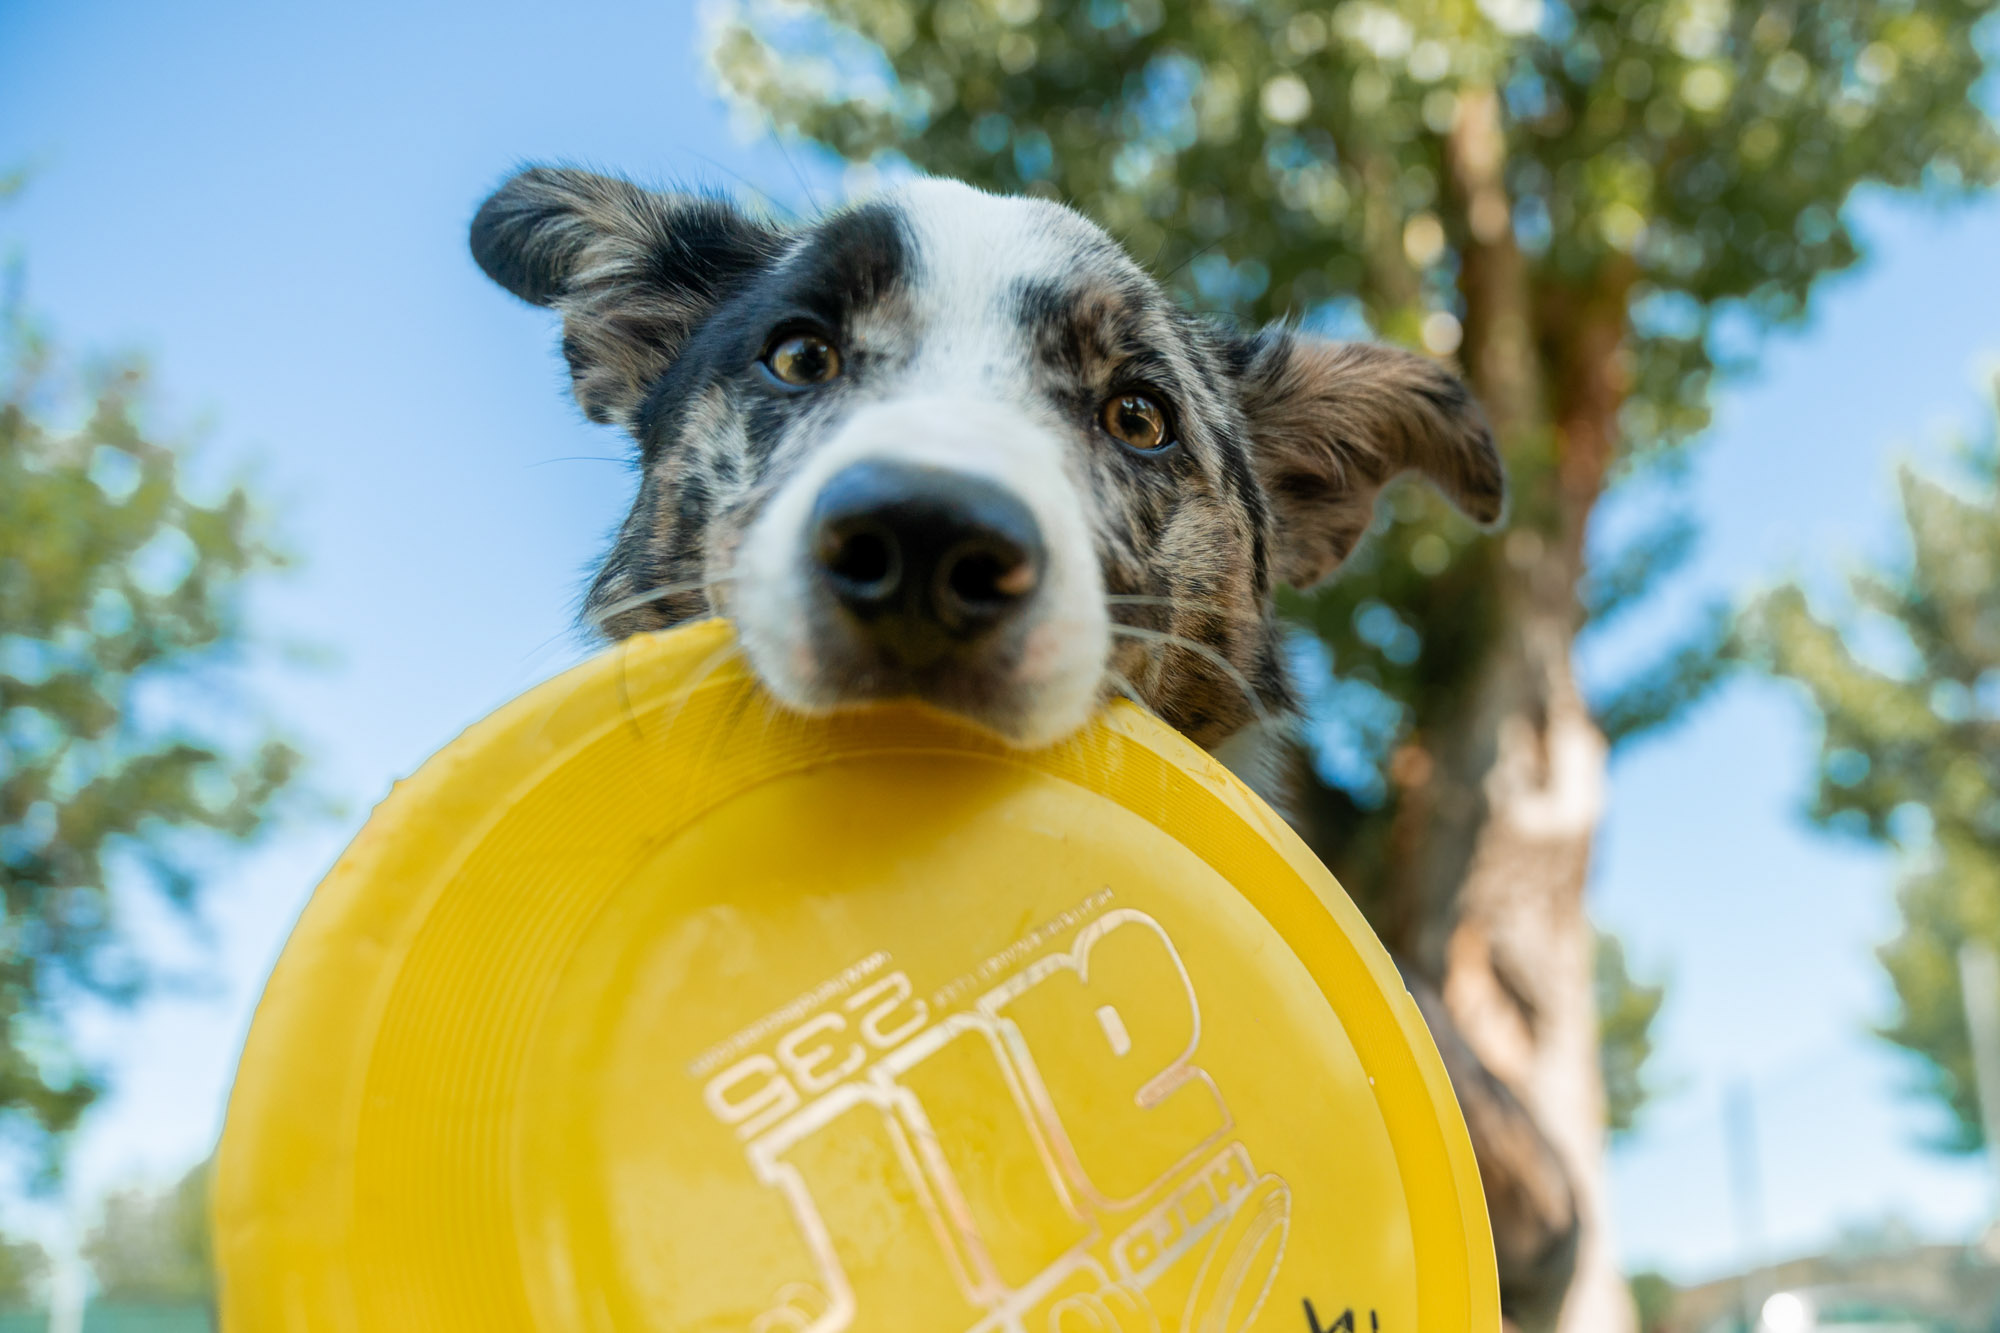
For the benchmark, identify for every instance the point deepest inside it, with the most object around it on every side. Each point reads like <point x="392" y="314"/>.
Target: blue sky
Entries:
<point x="1763" y="925"/>
<point x="270" y="203"/>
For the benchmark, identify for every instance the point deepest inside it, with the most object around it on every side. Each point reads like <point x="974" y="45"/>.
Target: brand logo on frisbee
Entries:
<point x="1035" y="1144"/>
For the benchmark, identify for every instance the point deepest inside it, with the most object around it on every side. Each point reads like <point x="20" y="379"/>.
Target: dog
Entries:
<point x="960" y="447"/>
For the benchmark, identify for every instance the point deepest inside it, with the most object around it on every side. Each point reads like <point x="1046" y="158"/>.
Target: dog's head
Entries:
<point x="960" y="447"/>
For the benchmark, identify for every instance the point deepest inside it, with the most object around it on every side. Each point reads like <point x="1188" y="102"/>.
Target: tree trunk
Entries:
<point x="1500" y="803"/>
<point x="1517" y="952"/>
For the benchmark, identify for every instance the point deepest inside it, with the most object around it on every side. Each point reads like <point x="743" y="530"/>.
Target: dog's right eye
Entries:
<point x="1136" y="421"/>
<point x="802" y="359"/>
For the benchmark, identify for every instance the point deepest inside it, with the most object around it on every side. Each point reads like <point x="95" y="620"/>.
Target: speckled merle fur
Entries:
<point x="1282" y="440"/>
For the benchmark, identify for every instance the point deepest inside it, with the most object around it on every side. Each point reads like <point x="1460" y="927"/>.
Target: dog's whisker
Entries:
<point x="1175" y="271"/>
<point x="673" y="707"/>
<point x="1128" y="690"/>
<point x="731" y="732"/>
<point x="598" y="618"/>
<point x="1205" y="608"/>
<point x="1202" y="650"/>
<point x="576" y="458"/>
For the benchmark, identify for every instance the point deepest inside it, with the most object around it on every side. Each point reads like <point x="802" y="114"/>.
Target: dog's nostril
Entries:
<point x="985" y="575"/>
<point x="866" y="559"/>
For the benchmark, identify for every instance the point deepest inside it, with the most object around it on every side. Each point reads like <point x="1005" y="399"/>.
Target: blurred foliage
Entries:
<point x="24" y="1275"/>
<point x="1653" y="1295"/>
<point x="154" y="1248"/>
<point x="122" y="737"/>
<point x="1906" y="678"/>
<point x="1626" y="1009"/>
<point x="1707" y="145"/>
<point x="1683" y="162"/>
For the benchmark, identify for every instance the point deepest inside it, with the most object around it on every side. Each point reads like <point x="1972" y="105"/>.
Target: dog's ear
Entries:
<point x="1332" y="422"/>
<point x="633" y="271"/>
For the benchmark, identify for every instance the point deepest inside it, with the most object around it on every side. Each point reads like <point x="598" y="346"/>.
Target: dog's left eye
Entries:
<point x="803" y="359"/>
<point x="1136" y="421"/>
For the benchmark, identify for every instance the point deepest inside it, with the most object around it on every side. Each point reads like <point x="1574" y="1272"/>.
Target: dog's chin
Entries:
<point x="1003" y="699"/>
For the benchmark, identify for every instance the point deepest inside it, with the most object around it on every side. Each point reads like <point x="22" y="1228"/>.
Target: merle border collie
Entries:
<point x="960" y="447"/>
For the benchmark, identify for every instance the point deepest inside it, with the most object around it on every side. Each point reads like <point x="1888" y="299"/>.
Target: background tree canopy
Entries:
<point x="124" y="740"/>
<point x="1906" y="679"/>
<point x="1593" y="206"/>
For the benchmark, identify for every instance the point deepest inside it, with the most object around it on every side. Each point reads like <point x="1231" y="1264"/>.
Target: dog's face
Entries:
<point x="960" y="447"/>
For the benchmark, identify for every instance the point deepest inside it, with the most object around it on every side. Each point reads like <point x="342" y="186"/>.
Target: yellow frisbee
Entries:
<point x="647" y="1006"/>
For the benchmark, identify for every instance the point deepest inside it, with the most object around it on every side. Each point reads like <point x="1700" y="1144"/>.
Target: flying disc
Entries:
<point x="647" y="1005"/>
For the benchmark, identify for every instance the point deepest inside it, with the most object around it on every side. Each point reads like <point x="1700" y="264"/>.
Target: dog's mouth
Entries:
<point x="996" y="690"/>
<point x="987" y="693"/>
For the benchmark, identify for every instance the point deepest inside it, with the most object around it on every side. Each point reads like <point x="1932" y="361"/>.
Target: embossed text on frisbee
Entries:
<point x="1033" y="1145"/>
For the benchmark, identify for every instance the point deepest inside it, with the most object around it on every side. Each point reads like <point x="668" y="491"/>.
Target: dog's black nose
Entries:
<point x="924" y="557"/>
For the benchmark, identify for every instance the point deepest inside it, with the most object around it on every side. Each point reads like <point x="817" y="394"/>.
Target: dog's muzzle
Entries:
<point x="925" y="560"/>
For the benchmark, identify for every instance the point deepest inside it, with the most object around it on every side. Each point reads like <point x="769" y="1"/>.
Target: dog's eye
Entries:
<point x="1136" y="421"/>
<point x="803" y="358"/>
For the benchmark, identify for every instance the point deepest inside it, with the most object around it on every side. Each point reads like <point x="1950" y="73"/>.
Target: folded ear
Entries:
<point x="633" y="271"/>
<point x="1331" y="423"/>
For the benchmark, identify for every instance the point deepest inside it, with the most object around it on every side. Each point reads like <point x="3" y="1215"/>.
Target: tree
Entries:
<point x="1906" y="681"/>
<point x="155" y="1248"/>
<point x="122" y="736"/>
<point x="1567" y="194"/>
